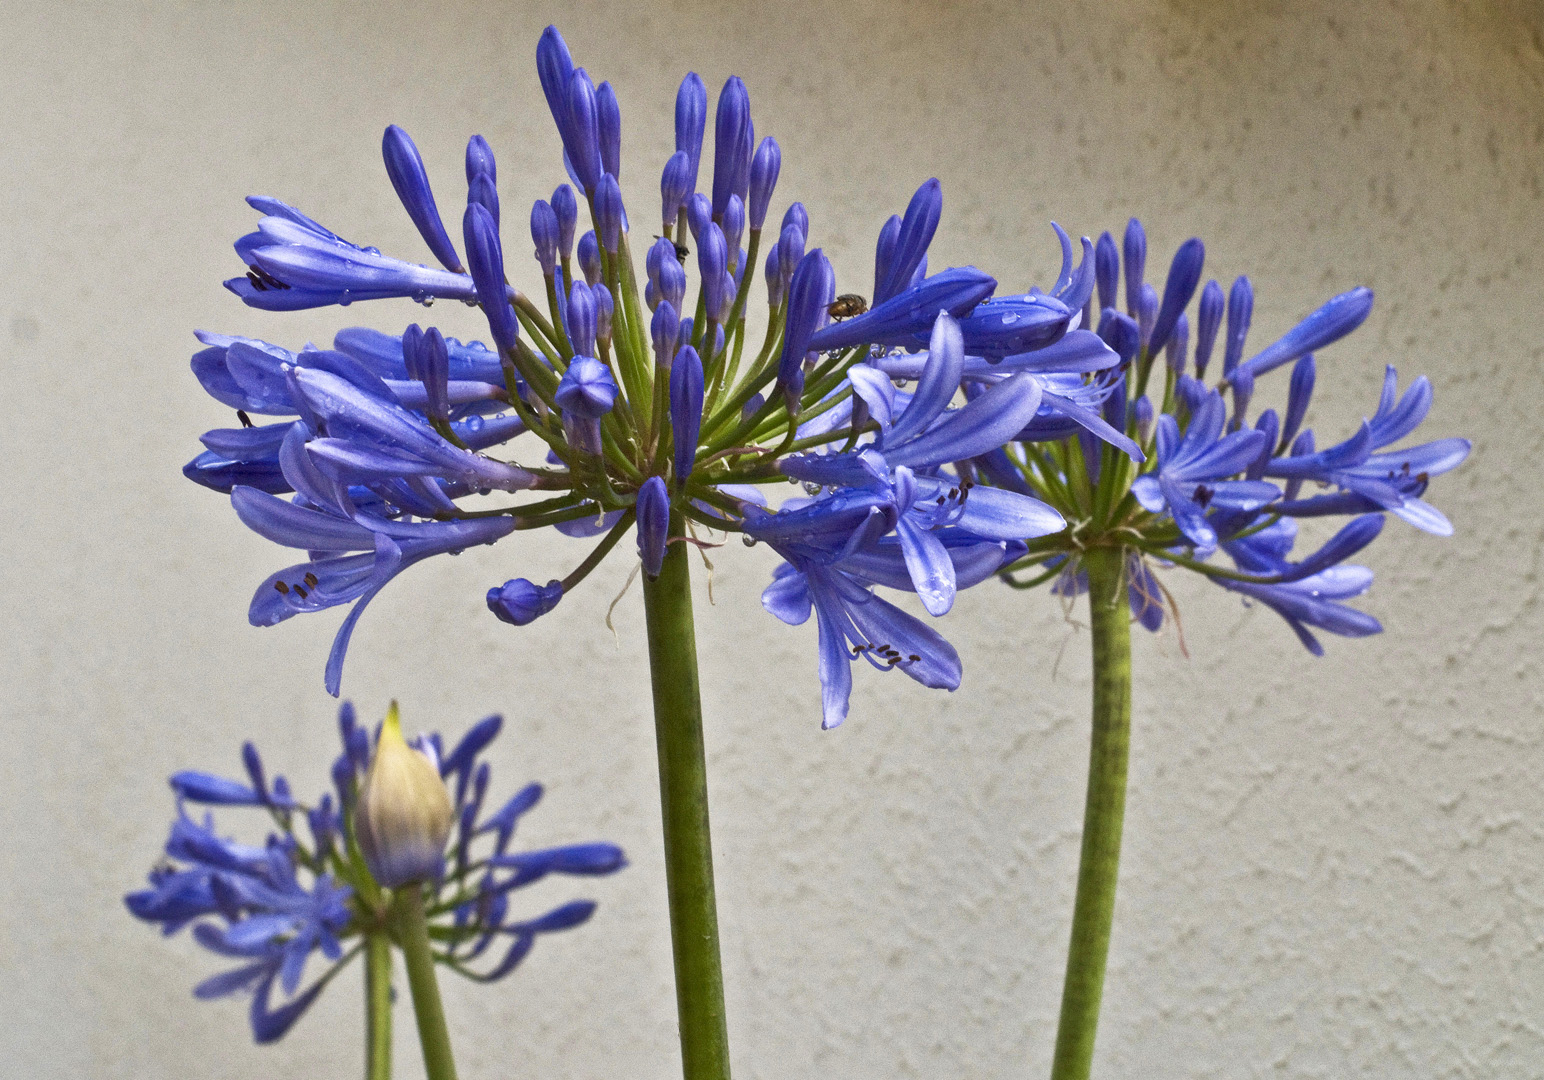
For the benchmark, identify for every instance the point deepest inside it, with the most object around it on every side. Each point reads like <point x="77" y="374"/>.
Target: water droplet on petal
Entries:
<point x="474" y="424"/>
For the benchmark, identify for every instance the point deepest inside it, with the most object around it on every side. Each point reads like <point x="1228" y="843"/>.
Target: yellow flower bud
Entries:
<point x="404" y="814"/>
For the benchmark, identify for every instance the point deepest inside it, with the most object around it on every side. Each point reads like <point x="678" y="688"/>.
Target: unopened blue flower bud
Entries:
<point x="734" y="223"/>
<point x="554" y="65"/>
<point x="765" y="166"/>
<point x="608" y="118"/>
<point x="919" y="275"/>
<point x="581" y="319"/>
<point x="1333" y="320"/>
<point x="1175" y="349"/>
<point x="522" y="601"/>
<point x="1243" y="390"/>
<point x="732" y="135"/>
<point x="479" y="159"/>
<point x="911" y="244"/>
<point x="1144" y="417"/>
<point x="653" y="524"/>
<point x="1240" y="310"/>
<point x="691" y="119"/>
<point x="589" y="257"/>
<point x="884" y="252"/>
<point x="485" y="258"/>
<point x="1121" y="333"/>
<point x="664" y="331"/>
<point x="1147" y="313"/>
<point x="1272" y="429"/>
<point x="796" y="215"/>
<point x="672" y="278"/>
<point x="720" y="315"/>
<point x="566" y="207"/>
<point x="753" y="406"/>
<point x="198" y="787"/>
<point x="609" y="213"/>
<point x="790" y="250"/>
<point x="1184" y="275"/>
<point x="812" y="280"/>
<point x="674" y="187"/>
<point x="1299" y="393"/>
<point x="412" y="341"/>
<point x="1106" y="270"/>
<point x="685" y="409"/>
<point x="583" y="145"/>
<point x="712" y="257"/>
<point x="253" y="762"/>
<point x="774" y="277"/>
<point x="483" y="191"/>
<point x="406" y="168"/>
<point x="404" y="814"/>
<point x="1114" y="408"/>
<point x="699" y="212"/>
<point x="604" y="309"/>
<point x="434" y="372"/>
<point x="1208" y="319"/>
<point x="1134" y="252"/>
<point x="544" y="234"/>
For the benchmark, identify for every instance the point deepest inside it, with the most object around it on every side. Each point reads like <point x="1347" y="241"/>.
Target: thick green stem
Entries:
<point x="377" y="1007"/>
<point x="1094" y="911"/>
<point x="683" y="794"/>
<point x="413" y="936"/>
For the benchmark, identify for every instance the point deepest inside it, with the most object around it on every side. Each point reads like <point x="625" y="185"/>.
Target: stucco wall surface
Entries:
<point x="1333" y="866"/>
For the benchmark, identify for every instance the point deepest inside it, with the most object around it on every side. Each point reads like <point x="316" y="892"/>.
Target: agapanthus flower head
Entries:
<point x="271" y="906"/>
<point x="610" y="384"/>
<point x="1219" y="482"/>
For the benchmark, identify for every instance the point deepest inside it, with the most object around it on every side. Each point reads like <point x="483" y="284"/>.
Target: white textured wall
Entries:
<point x="1333" y="866"/>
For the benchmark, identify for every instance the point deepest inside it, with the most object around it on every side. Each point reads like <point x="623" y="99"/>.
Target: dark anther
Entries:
<point x="914" y="658"/>
<point x="940" y="500"/>
<point x="311" y="579"/>
<point x="246" y="421"/>
<point x="262" y="280"/>
<point x="283" y="588"/>
<point x="300" y="590"/>
<point x="1203" y="495"/>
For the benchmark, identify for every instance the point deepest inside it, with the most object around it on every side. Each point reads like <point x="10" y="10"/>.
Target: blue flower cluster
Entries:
<point x="1219" y="482"/>
<point x="270" y="907"/>
<point x="643" y="407"/>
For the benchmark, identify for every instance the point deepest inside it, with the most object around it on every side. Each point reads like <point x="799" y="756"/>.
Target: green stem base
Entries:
<point x="413" y="935"/>
<point x="377" y="1007"/>
<point x="683" y="794"/>
<point x="1094" y="910"/>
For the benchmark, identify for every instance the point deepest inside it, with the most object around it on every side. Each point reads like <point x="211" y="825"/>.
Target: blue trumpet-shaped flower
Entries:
<point x="578" y="416"/>
<point x="1214" y="482"/>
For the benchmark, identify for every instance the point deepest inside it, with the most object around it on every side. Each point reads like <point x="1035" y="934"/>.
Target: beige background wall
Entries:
<point x="1333" y="866"/>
